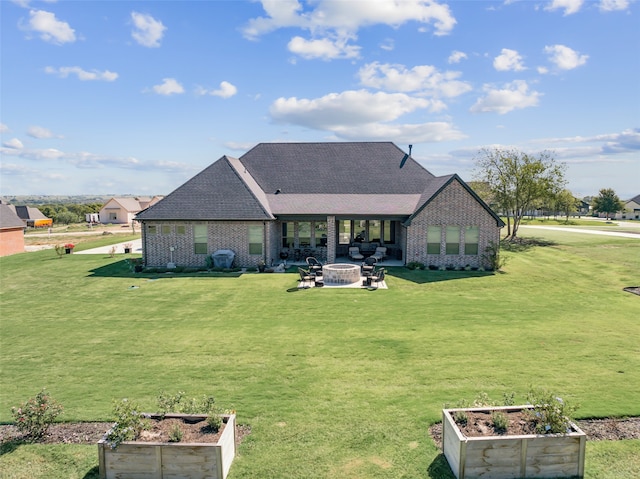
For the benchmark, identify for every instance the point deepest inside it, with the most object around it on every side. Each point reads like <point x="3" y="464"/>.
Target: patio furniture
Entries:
<point x="315" y="266"/>
<point x="380" y="253"/>
<point x="305" y="277"/>
<point x="378" y="276"/>
<point x="354" y="253"/>
<point x="368" y="266"/>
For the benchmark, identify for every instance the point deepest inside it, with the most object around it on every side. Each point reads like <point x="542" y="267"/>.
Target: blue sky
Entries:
<point x="119" y="97"/>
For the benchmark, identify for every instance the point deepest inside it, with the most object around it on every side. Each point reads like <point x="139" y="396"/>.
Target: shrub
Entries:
<point x="130" y="422"/>
<point x="203" y="405"/>
<point x="500" y="421"/>
<point x="414" y="265"/>
<point x="34" y="417"/>
<point x="551" y="413"/>
<point x="175" y="435"/>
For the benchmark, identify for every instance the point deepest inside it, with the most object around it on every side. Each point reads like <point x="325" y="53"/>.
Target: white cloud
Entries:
<point x="425" y="79"/>
<point x="83" y="75"/>
<point x="388" y="45"/>
<point x="50" y="28"/>
<point x="226" y="90"/>
<point x="569" y="6"/>
<point x="341" y="16"/>
<point x="14" y="144"/>
<point x="324" y="48"/>
<point x="613" y="5"/>
<point x="513" y="96"/>
<point x="564" y="57"/>
<point x="432" y="132"/>
<point x="508" y="60"/>
<point x="169" y="86"/>
<point x="347" y="108"/>
<point x="456" y="56"/>
<point x="147" y="30"/>
<point x="40" y="133"/>
<point x="3" y="128"/>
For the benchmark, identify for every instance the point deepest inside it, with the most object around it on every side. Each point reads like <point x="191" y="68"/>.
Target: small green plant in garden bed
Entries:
<point x="178" y="403"/>
<point x="130" y="422"/>
<point x="34" y="417"/>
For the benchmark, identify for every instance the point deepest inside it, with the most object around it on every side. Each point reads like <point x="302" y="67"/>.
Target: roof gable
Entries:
<point x="9" y="219"/>
<point x="435" y="187"/>
<point x="217" y="192"/>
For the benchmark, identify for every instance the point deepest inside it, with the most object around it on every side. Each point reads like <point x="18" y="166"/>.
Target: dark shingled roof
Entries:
<point x="217" y="192"/>
<point x="306" y="179"/>
<point x="9" y="219"/>
<point x="334" y="168"/>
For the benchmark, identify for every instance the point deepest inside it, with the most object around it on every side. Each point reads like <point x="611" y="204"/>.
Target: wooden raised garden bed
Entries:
<point x="162" y="460"/>
<point x="511" y="456"/>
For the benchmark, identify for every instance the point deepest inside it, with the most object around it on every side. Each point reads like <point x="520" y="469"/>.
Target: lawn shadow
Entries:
<point x="439" y="468"/>
<point x="422" y="276"/>
<point x="93" y="473"/>
<point x="8" y="447"/>
<point x="518" y="245"/>
<point x="125" y="269"/>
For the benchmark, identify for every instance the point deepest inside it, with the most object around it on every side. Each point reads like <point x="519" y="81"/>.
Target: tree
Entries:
<point x="518" y="180"/>
<point x="607" y="202"/>
<point x="566" y="202"/>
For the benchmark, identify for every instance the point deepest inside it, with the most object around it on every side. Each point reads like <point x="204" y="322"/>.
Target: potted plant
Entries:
<point x="127" y="247"/>
<point x="532" y="440"/>
<point x="261" y="265"/>
<point x="68" y="248"/>
<point x="162" y="444"/>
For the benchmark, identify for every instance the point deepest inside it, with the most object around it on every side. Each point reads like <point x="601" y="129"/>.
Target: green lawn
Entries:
<point x="333" y="382"/>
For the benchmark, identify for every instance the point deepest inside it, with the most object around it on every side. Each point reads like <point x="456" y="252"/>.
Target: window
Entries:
<point x="200" y="239"/>
<point x="389" y="231"/>
<point x="471" y="236"/>
<point x="304" y="233"/>
<point x="180" y="230"/>
<point x="320" y="233"/>
<point x="166" y="229"/>
<point x="453" y="240"/>
<point x="113" y="216"/>
<point x="288" y="234"/>
<point x="344" y="231"/>
<point x="151" y="229"/>
<point x="434" y="234"/>
<point x="374" y="231"/>
<point x="255" y="239"/>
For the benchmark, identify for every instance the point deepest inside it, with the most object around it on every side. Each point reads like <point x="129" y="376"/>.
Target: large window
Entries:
<point x="344" y="231"/>
<point x="374" y="231"/>
<point x="453" y="240"/>
<point x="471" y="237"/>
<point x="255" y="239"/>
<point x="320" y="233"/>
<point x="288" y="234"/>
<point x="304" y="233"/>
<point x="200" y="239"/>
<point x="389" y="231"/>
<point x="434" y="233"/>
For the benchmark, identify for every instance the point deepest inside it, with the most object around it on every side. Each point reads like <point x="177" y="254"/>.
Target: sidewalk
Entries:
<point x="136" y="247"/>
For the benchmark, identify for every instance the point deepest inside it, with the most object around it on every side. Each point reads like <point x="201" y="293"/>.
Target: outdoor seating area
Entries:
<point x="341" y="275"/>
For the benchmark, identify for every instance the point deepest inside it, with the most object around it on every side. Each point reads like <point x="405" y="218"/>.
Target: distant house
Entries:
<point x="11" y="231"/>
<point x="123" y="209"/>
<point x="31" y="216"/>
<point x="631" y="210"/>
<point x="299" y="199"/>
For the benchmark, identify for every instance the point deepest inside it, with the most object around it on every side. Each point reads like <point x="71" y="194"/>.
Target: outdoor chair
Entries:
<point x="315" y="266"/>
<point x="380" y="254"/>
<point x="368" y="266"/>
<point x="305" y="277"/>
<point x="378" y="276"/>
<point x="354" y="253"/>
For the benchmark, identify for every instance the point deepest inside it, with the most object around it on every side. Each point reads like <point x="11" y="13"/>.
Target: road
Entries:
<point x="581" y="230"/>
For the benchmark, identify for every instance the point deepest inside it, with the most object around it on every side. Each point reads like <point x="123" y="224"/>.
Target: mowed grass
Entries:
<point x="333" y="382"/>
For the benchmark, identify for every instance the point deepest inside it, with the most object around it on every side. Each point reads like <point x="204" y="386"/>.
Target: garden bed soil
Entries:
<point x="92" y="432"/>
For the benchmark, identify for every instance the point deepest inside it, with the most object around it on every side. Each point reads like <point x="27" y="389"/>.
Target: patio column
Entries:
<point x="331" y="239"/>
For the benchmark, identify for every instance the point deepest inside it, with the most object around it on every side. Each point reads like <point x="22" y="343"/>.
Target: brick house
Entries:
<point x="11" y="231"/>
<point x="300" y="199"/>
